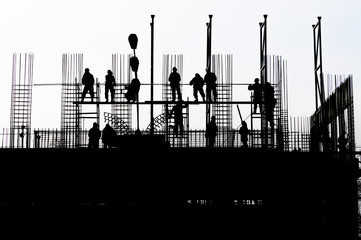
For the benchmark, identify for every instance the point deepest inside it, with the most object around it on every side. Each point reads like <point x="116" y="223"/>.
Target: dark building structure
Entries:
<point x="267" y="190"/>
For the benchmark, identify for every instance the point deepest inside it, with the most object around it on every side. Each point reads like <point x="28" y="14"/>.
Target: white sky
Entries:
<point x="49" y="28"/>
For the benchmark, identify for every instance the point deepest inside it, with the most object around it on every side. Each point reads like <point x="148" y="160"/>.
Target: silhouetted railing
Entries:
<point x="299" y="141"/>
<point x="5" y="138"/>
<point x="227" y="138"/>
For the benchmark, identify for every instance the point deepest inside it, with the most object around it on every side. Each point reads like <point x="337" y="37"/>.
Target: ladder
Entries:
<point x="86" y="117"/>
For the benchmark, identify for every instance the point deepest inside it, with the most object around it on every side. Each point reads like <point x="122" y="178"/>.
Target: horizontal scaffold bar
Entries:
<point x="166" y="102"/>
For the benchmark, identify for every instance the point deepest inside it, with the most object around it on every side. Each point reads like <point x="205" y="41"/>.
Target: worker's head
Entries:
<point x="87" y="70"/>
<point x="244" y="123"/>
<point x="213" y="118"/>
<point x="174" y="69"/>
<point x="110" y="72"/>
<point x="256" y="80"/>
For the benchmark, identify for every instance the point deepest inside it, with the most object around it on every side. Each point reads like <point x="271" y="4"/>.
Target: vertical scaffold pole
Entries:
<point x="319" y="85"/>
<point x="263" y="73"/>
<point x="208" y="62"/>
<point x="152" y="78"/>
<point x="320" y="125"/>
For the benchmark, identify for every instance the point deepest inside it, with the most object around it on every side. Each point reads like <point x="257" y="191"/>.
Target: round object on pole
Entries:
<point x="134" y="63"/>
<point x="133" y="41"/>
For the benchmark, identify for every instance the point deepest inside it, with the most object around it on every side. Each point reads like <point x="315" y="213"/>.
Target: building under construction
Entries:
<point x="294" y="173"/>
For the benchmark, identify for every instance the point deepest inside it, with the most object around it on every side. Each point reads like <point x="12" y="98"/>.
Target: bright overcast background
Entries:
<point x="97" y="29"/>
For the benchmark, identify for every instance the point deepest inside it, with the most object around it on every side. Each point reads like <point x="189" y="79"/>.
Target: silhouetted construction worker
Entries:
<point x="198" y="84"/>
<point x="88" y="82"/>
<point x="133" y="90"/>
<point x="270" y="103"/>
<point x="211" y="131"/>
<point x="257" y="91"/>
<point x="174" y="80"/>
<point x="342" y="142"/>
<point x="315" y="137"/>
<point x="94" y="136"/>
<point x="325" y="139"/>
<point x="108" y="136"/>
<point x="177" y="110"/>
<point x="109" y="86"/>
<point x="244" y="131"/>
<point x="210" y="80"/>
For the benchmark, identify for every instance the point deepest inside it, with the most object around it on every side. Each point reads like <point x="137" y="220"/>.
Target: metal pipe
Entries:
<point x="152" y="78"/>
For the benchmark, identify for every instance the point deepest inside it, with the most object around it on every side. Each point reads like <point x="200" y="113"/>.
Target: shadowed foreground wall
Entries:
<point x="303" y="194"/>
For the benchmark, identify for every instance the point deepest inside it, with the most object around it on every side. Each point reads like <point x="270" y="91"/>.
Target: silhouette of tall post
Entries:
<point x="134" y="63"/>
<point x="152" y="77"/>
<point x="209" y="63"/>
<point x="209" y="42"/>
<point x="263" y="73"/>
<point x="319" y="85"/>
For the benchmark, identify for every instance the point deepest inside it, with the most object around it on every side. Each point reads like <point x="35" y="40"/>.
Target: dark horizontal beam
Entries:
<point x="163" y="102"/>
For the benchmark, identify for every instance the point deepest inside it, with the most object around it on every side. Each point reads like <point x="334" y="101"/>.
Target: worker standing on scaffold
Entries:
<point x="342" y="141"/>
<point x="212" y="131"/>
<point x="197" y="82"/>
<point x="94" y="135"/>
<point x="256" y="87"/>
<point x="270" y="103"/>
<point x="244" y="131"/>
<point x="174" y="80"/>
<point x="177" y="110"/>
<point x="109" y="86"/>
<point x="133" y="90"/>
<point x="88" y="82"/>
<point x="210" y="80"/>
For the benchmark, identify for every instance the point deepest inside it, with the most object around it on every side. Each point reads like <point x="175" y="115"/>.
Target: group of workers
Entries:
<point x="174" y="79"/>
<point x="88" y="82"/>
<point x="197" y="82"/>
<point x="263" y="94"/>
<point x="133" y="89"/>
<point x="108" y="136"/>
<point x="269" y="98"/>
